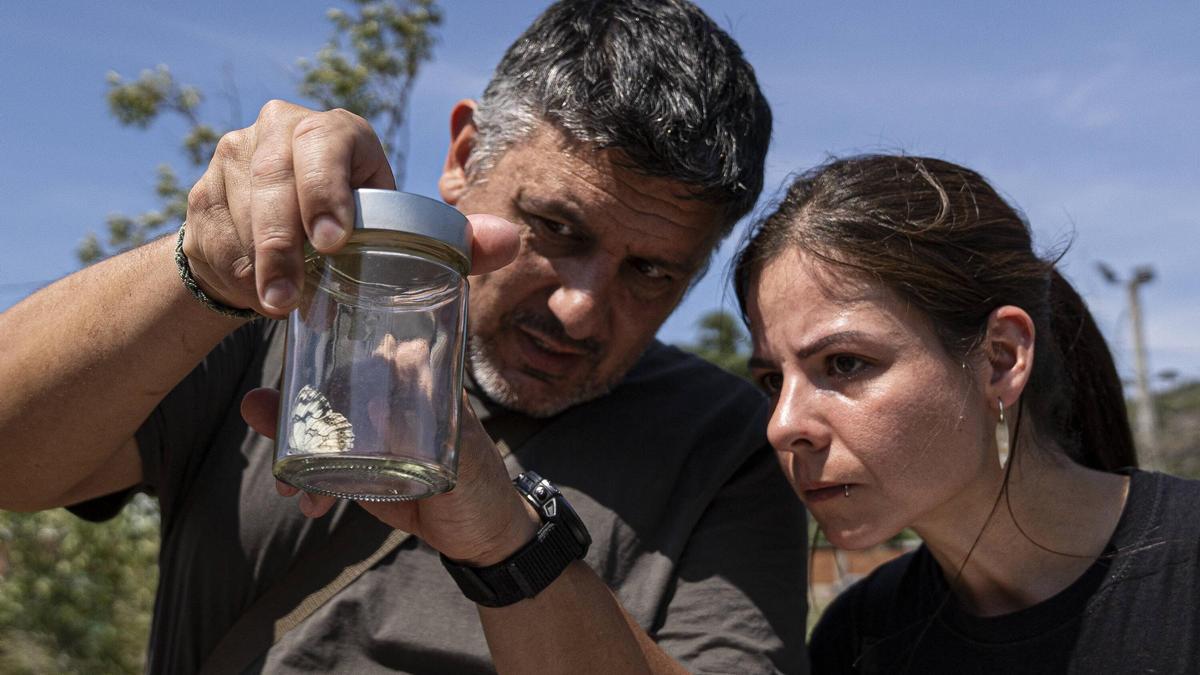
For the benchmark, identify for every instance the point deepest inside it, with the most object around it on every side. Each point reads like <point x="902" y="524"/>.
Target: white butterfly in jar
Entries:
<point x="317" y="427"/>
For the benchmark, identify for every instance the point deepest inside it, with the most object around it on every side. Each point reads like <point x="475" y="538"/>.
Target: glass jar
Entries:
<point x="372" y="384"/>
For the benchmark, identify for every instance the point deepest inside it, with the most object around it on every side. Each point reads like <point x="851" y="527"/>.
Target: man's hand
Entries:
<point x="481" y="521"/>
<point x="270" y="187"/>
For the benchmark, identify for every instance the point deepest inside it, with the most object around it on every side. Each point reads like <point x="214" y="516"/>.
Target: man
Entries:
<point x="624" y="139"/>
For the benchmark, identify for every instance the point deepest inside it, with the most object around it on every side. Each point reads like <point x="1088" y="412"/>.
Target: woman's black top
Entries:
<point x="1135" y="610"/>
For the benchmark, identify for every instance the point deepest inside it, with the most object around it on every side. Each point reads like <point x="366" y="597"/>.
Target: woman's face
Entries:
<point x="866" y="397"/>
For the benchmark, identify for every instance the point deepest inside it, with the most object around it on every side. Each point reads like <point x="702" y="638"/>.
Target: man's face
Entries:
<point x="606" y="254"/>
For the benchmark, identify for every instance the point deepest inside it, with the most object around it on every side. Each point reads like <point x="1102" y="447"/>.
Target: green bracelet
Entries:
<point x="189" y="282"/>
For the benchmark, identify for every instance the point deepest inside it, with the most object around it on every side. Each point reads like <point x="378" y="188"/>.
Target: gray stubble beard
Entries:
<point x="488" y="378"/>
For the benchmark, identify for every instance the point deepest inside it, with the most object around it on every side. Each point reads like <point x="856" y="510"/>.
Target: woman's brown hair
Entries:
<point x="939" y="235"/>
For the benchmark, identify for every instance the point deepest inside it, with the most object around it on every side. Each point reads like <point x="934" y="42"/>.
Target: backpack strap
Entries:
<point x="358" y="543"/>
<point x="312" y="580"/>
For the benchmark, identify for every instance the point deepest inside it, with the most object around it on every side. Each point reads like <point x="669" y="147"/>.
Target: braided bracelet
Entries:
<point x="185" y="275"/>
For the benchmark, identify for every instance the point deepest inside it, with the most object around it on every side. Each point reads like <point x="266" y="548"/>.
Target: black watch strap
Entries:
<point x="560" y="540"/>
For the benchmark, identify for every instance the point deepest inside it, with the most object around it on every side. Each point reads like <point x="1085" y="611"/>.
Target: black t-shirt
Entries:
<point x="1135" y="610"/>
<point x="693" y="526"/>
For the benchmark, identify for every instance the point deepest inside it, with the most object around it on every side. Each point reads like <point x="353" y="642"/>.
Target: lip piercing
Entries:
<point x="846" y="489"/>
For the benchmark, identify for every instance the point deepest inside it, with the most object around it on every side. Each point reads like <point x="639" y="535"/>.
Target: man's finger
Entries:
<point x="315" y="506"/>
<point x="494" y="242"/>
<point x="398" y="515"/>
<point x="260" y="409"/>
<point x="216" y="250"/>
<point x="274" y="210"/>
<point x="334" y="152"/>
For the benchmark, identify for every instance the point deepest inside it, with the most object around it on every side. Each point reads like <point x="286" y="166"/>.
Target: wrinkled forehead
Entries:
<point x="558" y="149"/>
<point x="585" y="184"/>
<point x="798" y="299"/>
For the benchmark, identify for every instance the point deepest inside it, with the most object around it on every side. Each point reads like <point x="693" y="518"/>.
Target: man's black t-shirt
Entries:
<point x="1135" y="610"/>
<point x="693" y="526"/>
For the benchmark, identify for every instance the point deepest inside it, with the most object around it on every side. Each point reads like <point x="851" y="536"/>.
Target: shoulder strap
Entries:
<point x="299" y="593"/>
<point x="309" y="583"/>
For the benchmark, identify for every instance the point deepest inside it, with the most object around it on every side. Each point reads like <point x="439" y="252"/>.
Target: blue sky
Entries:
<point x="1084" y="114"/>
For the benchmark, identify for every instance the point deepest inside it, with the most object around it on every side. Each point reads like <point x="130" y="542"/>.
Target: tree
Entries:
<point x="1179" y="433"/>
<point x="76" y="597"/>
<point x="722" y="341"/>
<point x="387" y="44"/>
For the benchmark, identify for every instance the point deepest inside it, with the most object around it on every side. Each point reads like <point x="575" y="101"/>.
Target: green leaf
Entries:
<point x="389" y="41"/>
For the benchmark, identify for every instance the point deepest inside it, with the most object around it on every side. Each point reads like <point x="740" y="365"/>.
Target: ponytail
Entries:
<point x="942" y="238"/>
<point x="1098" y="418"/>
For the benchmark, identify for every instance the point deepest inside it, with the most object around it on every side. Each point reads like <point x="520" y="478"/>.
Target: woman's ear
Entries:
<point x="453" y="182"/>
<point x="1008" y="347"/>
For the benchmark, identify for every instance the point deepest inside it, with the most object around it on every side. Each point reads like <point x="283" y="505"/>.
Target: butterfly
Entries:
<point x="316" y="427"/>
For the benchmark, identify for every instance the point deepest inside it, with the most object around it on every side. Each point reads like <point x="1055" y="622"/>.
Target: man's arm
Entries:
<point x="574" y="625"/>
<point x="84" y="362"/>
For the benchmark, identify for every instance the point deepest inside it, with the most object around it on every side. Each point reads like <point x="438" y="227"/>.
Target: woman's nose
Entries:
<point x="797" y="423"/>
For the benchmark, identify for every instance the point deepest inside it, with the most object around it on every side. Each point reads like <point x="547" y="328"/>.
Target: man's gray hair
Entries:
<point x="654" y="79"/>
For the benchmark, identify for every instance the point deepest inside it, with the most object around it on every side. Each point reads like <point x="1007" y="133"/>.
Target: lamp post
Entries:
<point x="1146" y="427"/>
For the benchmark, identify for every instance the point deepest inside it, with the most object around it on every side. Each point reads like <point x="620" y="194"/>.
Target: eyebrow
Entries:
<point x="570" y="214"/>
<point x="553" y="208"/>
<point x="684" y="270"/>
<point x="831" y="340"/>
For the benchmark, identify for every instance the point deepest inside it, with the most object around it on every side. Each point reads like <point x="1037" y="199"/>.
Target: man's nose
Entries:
<point x="798" y="423"/>
<point x="582" y="298"/>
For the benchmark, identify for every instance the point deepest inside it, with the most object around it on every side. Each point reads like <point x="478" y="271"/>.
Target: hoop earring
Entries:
<point x="1002" y="439"/>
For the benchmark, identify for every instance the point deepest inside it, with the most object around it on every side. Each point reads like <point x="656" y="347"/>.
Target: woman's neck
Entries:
<point x="1054" y="520"/>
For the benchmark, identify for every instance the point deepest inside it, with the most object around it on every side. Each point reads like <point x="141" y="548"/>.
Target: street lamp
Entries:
<point x="1147" y="418"/>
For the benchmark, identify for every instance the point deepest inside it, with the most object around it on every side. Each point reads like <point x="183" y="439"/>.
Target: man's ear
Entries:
<point x="1008" y="348"/>
<point x="453" y="182"/>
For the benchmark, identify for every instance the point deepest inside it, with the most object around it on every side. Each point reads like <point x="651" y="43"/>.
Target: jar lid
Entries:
<point x="405" y="212"/>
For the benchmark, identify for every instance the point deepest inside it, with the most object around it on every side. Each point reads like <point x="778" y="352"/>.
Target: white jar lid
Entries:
<point x="406" y="212"/>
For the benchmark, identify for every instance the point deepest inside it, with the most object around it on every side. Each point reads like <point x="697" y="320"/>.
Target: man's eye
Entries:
<point x="845" y="365"/>
<point x="553" y="227"/>
<point x="771" y="382"/>
<point x="648" y="269"/>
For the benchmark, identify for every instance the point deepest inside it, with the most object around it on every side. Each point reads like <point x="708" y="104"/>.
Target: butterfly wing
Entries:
<point x="316" y="427"/>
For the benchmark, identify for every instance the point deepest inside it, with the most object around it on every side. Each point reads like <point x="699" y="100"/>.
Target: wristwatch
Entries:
<point x="561" y="539"/>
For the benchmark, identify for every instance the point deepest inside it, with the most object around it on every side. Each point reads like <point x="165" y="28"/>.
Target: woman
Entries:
<point x="928" y="370"/>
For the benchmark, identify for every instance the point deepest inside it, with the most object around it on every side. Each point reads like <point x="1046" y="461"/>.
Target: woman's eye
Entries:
<point x="845" y="365"/>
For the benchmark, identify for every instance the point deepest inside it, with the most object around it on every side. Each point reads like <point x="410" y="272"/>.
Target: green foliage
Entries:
<point x="76" y="597"/>
<point x="722" y="341"/>
<point x="138" y="103"/>
<point x="386" y="44"/>
<point x="374" y="75"/>
<point x="1179" y="429"/>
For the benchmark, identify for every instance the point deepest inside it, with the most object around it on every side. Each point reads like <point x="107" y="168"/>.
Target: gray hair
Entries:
<point x="655" y="79"/>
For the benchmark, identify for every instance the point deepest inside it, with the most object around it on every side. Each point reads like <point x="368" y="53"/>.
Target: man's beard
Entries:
<point x="488" y="378"/>
<point x="486" y="372"/>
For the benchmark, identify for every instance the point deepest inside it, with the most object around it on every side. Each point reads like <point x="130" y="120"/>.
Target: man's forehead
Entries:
<point x="578" y="177"/>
